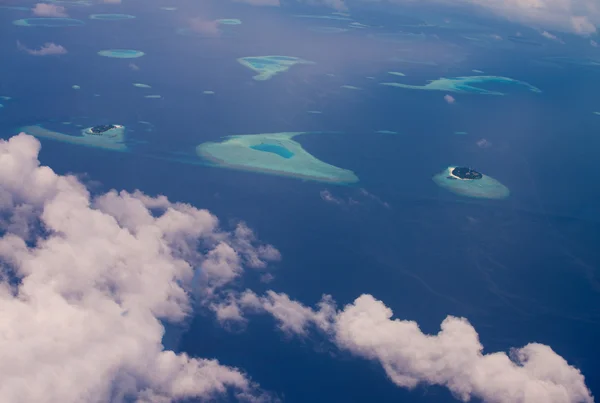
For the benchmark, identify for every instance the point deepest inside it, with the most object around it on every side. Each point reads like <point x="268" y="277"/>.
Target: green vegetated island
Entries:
<point x="269" y="66"/>
<point x="465" y="181"/>
<point x="110" y="137"/>
<point x="465" y="85"/>
<point x="272" y="153"/>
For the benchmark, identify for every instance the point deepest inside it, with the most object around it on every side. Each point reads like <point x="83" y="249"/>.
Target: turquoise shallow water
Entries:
<point x="121" y="53"/>
<point x="273" y="148"/>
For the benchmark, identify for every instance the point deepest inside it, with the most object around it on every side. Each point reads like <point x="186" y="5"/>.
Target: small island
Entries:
<point x="110" y="137"/>
<point x="465" y="173"/>
<point x="101" y="129"/>
<point x="466" y="181"/>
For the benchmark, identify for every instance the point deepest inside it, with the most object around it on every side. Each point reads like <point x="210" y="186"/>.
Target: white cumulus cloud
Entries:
<point x="577" y="16"/>
<point x="86" y="282"/>
<point x="452" y="358"/>
<point x="48" y="10"/>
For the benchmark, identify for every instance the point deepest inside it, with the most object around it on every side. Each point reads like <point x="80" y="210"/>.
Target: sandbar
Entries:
<point x="396" y="73"/>
<point x="269" y="66"/>
<point x="208" y="92"/>
<point x="463" y="85"/>
<point x="153" y="96"/>
<point x="140" y="85"/>
<point x="121" y="53"/>
<point x="76" y="87"/>
<point x="484" y="188"/>
<point x="350" y="87"/>
<point x="272" y="153"/>
<point x="113" y="139"/>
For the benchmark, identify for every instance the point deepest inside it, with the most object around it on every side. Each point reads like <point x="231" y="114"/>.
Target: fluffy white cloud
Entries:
<point x="48" y="10"/>
<point x="86" y="281"/>
<point x="48" y="49"/>
<point x="453" y="358"/>
<point x="577" y="16"/>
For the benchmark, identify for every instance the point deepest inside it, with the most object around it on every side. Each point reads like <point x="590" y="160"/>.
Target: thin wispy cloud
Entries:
<point x="550" y="36"/>
<point x="48" y="49"/>
<point x="203" y="26"/>
<point x="49" y="10"/>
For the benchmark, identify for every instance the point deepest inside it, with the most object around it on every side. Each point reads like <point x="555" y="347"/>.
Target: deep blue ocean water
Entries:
<point x="522" y="269"/>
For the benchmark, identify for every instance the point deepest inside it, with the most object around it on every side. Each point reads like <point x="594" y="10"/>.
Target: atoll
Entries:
<point x="48" y="22"/>
<point x="272" y="153"/>
<point x="111" y="17"/>
<point x="468" y="182"/>
<point x="121" y="53"/>
<point x="111" y="137"/>
<point x="463" y="85"/>
<point x="268" y="66"/>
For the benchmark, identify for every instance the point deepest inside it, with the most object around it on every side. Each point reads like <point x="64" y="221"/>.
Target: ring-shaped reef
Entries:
<point x="272" y="153"/>
<point x="111" y="17"/>
<point x="48" y="22"/>
<point x="109" y="137"/>
<point x="121" y="53"/>
<point x="464" y="85"/>
<point x="268" y="66"/>
<point x="467" y="182"/>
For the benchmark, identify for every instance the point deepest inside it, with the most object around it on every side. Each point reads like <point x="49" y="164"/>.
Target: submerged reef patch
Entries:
<point x="48" y="22"/>
<point x="272" y="153"/>
<point x="268" y="66"/>
<point x="467" y="182"/>
<point x="328" y="30"/>
<point x="110" y="137"/>
<point x="121" y="53"/>
<point x="111" y="17"/>
<point x="464" y="85"/>
<point x="229" y="21"/>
